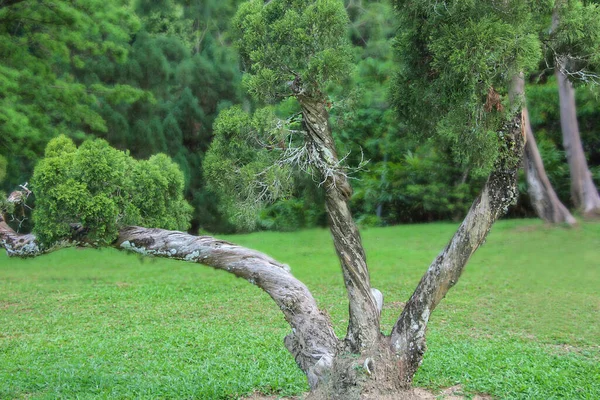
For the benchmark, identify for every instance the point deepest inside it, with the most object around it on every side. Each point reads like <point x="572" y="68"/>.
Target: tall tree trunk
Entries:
<point x="499" y="192"/>
<point x="363" y="327"/>
<point x="583" y="191"/>
<point x="543" y="197"/>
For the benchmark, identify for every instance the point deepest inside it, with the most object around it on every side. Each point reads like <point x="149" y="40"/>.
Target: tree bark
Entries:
<point x="499" y="192"/>
<point x="541" y="193"/>
<point x="312" y="341"/>
<point x="363" y="327"/>
<point x="583" y="191"/>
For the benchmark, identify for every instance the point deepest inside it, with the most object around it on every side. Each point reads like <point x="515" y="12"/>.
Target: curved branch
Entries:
<point x="312" y="341"/>
<point x="499" y="192"/>
<point x="19" y="245"/>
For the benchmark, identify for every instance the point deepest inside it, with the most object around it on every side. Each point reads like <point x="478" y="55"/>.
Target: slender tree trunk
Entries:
<point x="499" y="192"/>
<point x="543" y="197"/>
<point x="583" y="191"/>
<point x="363" y="327"/>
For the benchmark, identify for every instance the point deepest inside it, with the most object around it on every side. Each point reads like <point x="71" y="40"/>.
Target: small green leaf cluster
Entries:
<point x="243" y="165"/>
<point x="289" y="40"/>
<point x="456" y="61"/>
<point x="577" y="35"/>
<point x="99" y="189"/>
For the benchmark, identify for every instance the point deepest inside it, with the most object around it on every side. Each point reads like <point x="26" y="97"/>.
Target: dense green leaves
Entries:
<point x="244" y="164"/>
<point x="576" y="36"/>
<point x="151" y="76"/>
<point x="456" y="63"/>
<point x="39" y="96"/>
<point x="95" y="189"/>
<point x="289" y="40"/>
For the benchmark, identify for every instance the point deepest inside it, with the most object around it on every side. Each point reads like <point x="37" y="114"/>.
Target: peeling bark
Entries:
<point x="363" y="327"/>
<point x="312" y="341"/>
<point x="583" y="191"/>
<point x="499" y="192"/>
<point x="543" y="197"/>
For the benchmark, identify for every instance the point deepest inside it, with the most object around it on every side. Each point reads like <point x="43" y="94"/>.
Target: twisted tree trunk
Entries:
<point x="541" y="193"/>
<point x="583" y="191"/>
<point x="312" y="341"/>
<point x="363" y="327"/>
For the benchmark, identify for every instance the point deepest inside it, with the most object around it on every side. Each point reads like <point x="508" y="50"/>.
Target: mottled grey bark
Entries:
<point x="499" y="192"/>
<point x="363" y="327"/>
<point x="583" y="191"/>
<point x="312" y="341"/>
<point x="541" y="193"/>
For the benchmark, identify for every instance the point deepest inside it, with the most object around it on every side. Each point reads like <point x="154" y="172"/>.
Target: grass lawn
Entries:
<point x="523" y="321"/>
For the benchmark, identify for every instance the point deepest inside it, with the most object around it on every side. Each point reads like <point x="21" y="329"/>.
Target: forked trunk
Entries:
<point x="583" y="191"/>
<point x="367" y="364"/>
<point x="546" y="203"/>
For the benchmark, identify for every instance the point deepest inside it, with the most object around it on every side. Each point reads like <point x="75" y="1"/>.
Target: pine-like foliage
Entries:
<point x="456" y="60"/>
<point x="39" y="98"/>
<point x="288" y="48"/>
<point x="289" y="40"/>
<point x="97" y="189"/>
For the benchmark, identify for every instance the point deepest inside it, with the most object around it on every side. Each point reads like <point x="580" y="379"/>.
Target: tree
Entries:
<point x="182" y="56"/>
<point x="294" y="49"/>
<point x="575" y="42"/>
<point x="542" y="195"/>
<point x="40" y="43"/>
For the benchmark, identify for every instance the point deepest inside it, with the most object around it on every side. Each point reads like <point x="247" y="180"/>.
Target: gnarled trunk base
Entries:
<point x="371" y="375"/>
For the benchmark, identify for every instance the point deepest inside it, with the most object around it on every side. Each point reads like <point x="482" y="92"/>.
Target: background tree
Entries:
<point x="541" y="193"/>
<point x="575" y="40"/>
<point x="544" y="113"/>
<point x="182" y="57"/>
<point x="39" y="97"/>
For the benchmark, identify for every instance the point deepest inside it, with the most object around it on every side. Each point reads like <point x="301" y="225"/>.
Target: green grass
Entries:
<point x="523" y="321"/>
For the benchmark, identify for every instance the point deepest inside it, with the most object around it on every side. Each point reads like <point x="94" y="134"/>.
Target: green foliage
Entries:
<point x="577" y="36"/>
<point x="289" y="40"/>
<point x="3" y="165"/>
<point x="102" y="189"/>
<point x="454" y="60"/>
<point x="242" y="165"/>
<point x="3" y="204"/>
<point x="39" y="45"/>
<point x="181" y="56"/>
<point x="151" y="81"/>
<point x="418" y="186"/>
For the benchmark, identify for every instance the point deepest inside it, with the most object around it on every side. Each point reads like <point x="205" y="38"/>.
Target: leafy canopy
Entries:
<point x="286" y="47"/>
<point x="456" y="61"/>
<point x="243" y="164"/>
<point x="286" y="40"/>
<point x="41" y="43"/>
<point x="99" y="189"/>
